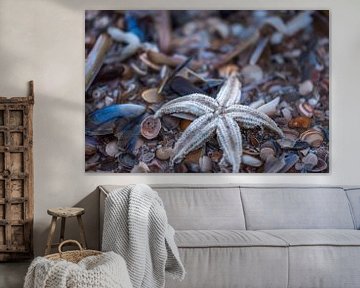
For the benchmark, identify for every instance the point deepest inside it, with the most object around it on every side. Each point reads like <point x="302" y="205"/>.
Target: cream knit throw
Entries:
<point x="136" y="227"/>
<point x="103" y="271"/>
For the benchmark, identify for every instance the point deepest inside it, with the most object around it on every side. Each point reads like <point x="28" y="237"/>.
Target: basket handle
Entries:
<point x="69" y="241"/>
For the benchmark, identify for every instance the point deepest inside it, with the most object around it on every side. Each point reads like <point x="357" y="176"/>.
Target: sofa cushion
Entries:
<point x="220" y="267"/>
<point x="203" y="208"/>
<point x="354" y="198"/>
<point x="296" y="208"/>
<point x="338" y="237"/>
<point x="226" y="238"/>
<point x="324" y="266"/>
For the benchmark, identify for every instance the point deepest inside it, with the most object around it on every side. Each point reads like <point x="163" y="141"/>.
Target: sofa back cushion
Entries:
<point x="354" y="198"/>
<point x="203" y="208"/>
<point x="296" y="208"/>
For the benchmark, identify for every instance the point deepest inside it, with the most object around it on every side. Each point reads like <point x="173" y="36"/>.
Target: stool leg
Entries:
<point x="82" y="232"/>
<point x="51" y="235"/>
<point x="62" y="230"/>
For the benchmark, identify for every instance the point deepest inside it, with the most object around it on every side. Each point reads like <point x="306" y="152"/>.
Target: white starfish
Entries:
<point x="222" y="116"/>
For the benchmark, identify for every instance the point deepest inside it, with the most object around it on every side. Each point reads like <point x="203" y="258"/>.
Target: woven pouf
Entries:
<point x="80" y="269"/>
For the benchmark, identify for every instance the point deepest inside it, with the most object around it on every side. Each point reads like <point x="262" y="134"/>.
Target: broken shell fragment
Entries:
<point x="127" y="160"/>
<point x="140" y="168"/>
<point x="270" y="107"/>
<point x="205" y="164"/>
<point x="290" y="133"/>
<point x="321" y="166"/>
<point x="251" y="161"/>
<point x="266" y="152"/>
<point x="306" y="87"/>
<point x="164" y="153"/>
<point x="252" y="73"/>
<point x="151" y="96"/>
<point x="306" y="110"/>
<point x="150" y="127"/>
<point x="112" y="148"/>
<point x="310" y="161"/>
<point x="300" y="122"/>
<point x="290" y="161"/>
<point x="90" y="145"/>
<point x="170" y="122"/>
<point x="314" y="137"/>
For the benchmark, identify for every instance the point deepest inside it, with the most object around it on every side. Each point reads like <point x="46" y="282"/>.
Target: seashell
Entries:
<point x="127" y="73"/>
<point x="251" y="151"/>
<point x="300" y="145"/>
<point x="184" y="123"/>
<point x="270" y="107"/>
<point x="252" y="73"/>
<point x="286" y="112"/>
<point x="290" y="133"/>
<point x="109" y="113"/>
<point x="170" y="122"/>
<point x="266" y="152"/>
<point x="215" y="24"/>
<point x="290" y="161"/>
<point x="127" y="160"/>
<point x="251" y="161"/>
<point x="151" y="96"/>
<point x="90" y="145"/>
<point x="108" y="101"/>
<point x="321" y="166"/>
<point x="132" y="41"/>
<point x="310" y="161"/>
<point x="164" y="153"/>
<point x="183" y="86"/>
<point x="112" y="148"/>
<point x="300" y="122"/>
<point x="140" y="168"/>
<point x="274" y="165"/>
<point x="215" y="156"/>
<point x="147" y="156"/>
<point x="286" y="143"/>
<point x="227" y="70"/>
<point x="193" y="157"/>
<point x="306" y="87"/>
<point x="257" y="103"/>
<point x="304" y="152"/>
<point x="150" y="127"/>
<point x="181" y="168"/>
<point x="299" y="166"/>
<point x="306" y="110"/>
<point x="193" y="167"/>
<point x="157" y="166"/>
<point x="172" y="61"/>
<point x="205" y="164"/>
<point x="314" y="137"/>
<point x="143" y="57"/>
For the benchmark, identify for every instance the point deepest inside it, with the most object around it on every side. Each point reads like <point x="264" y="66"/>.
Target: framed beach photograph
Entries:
<point x="207" y="91"/>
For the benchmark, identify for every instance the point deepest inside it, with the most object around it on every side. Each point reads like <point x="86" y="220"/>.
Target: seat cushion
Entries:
<point x="225" y="238"/>
<point x="296" y="208"/>
<point x="215" y="267"/>
<point x="322" y="258"/>
<point x="317" y="237"/>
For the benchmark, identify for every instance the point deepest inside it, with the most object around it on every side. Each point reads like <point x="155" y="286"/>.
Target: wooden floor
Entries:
<point x="12" y="274"/>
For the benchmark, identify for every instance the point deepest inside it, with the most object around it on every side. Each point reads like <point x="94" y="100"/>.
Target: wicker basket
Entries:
<point x="72" y="256"/>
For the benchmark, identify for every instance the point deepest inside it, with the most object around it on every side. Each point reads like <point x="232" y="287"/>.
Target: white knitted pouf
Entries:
<point x="107" y="270"/>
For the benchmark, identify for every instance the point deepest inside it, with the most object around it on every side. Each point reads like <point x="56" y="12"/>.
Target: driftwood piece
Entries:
<point x="16" y="177"/>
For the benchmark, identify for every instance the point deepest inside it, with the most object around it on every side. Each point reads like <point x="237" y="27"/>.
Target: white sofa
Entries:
<point x="264" y="237"/>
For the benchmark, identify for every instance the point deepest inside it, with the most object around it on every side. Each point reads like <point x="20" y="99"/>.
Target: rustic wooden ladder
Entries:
<point x="16" y="177"/>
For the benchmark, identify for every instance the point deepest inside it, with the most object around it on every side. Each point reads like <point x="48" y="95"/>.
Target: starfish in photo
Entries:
<point x="223" y="116"/>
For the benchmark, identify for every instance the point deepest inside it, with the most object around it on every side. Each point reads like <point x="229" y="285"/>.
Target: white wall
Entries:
<point x="43" y="40"/>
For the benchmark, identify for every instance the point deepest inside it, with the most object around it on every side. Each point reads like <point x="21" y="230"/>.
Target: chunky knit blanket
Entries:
<point x="136" y="227"/>
<point x="103" y="271"/>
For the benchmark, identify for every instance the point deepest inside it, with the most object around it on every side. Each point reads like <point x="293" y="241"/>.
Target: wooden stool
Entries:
<point x="64" y="213"/>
